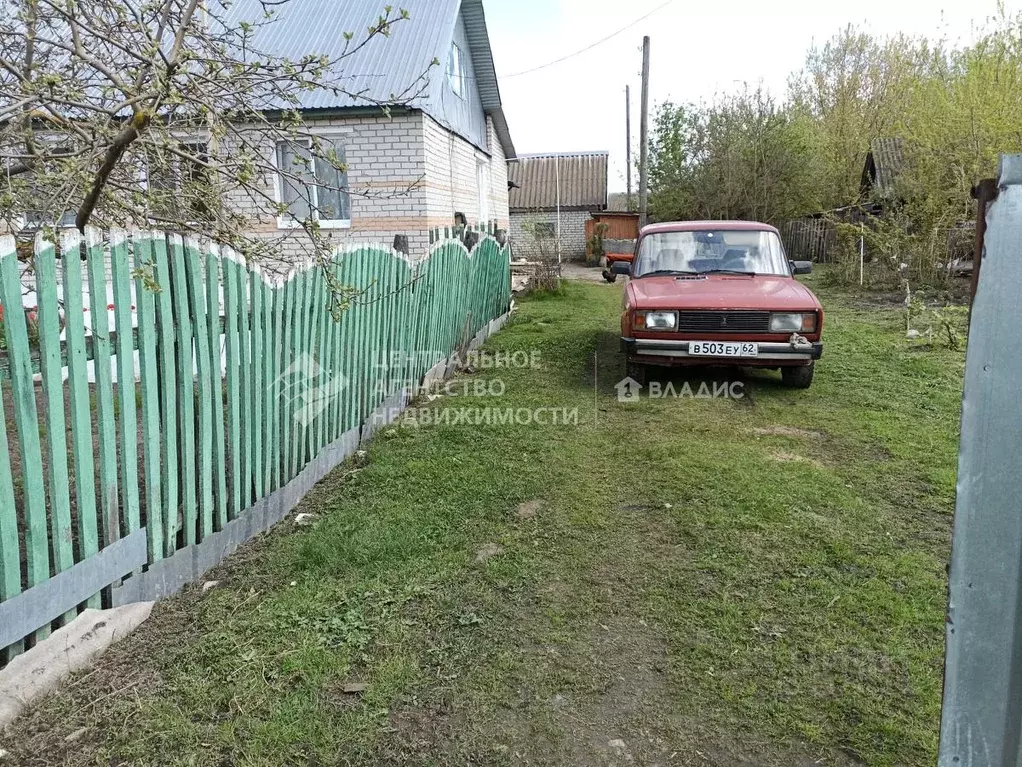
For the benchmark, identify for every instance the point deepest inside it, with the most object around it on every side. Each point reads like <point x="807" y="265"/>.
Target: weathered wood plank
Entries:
<point x="216" y="349"/>
<point x="78" y="384"/>
<point x="315" y="383"/>
<point x="230" y="284"/>
<point x="106" y="418"/>
<point x="165" y="348"/>
<point x="148" y="368"/>
<point x="286" y="414"/>
<point x="56" y="424"/>
<point x="277" y="357"/>
<point x="298" y="365"/>
<point x="186" y="388"/>
<point x="204" y="384"/>
<point x="27" y="424"/>
<point x="124" y="338"/>
<point x="247" y="391"/>
<point x="255" y="293"/>
<point x="10" y="555"/>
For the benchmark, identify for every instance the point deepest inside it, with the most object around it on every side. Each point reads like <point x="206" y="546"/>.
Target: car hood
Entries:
<point x="719" y="291"/>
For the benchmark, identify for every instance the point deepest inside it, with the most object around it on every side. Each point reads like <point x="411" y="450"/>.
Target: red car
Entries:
<point x="719" y="293"/>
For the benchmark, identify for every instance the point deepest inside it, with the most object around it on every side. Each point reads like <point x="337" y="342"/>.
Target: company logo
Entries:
<point x="309" y="388"/>
<point x="628" y="390"/>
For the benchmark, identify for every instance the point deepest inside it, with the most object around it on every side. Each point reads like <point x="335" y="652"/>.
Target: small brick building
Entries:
<point x="554" y="195"/>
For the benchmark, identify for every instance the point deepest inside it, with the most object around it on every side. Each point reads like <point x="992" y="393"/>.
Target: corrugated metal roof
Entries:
<point x="378" y="71"/>
<point x="583" y="181"/>
<point x="386" y="69"/>
<point x="885" y="164"/>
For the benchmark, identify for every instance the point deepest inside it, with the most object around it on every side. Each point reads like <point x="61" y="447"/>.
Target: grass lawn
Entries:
<point x="685" y="581"/>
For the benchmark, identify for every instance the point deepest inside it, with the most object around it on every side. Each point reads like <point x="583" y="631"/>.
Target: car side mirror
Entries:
<point x="621" y="267"/>
<point x="801" y="267"/>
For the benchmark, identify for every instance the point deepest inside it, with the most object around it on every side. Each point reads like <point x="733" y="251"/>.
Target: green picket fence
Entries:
<point x="202" y="387"/>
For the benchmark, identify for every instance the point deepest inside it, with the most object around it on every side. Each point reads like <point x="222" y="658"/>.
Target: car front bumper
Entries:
<point x="667" y="352"/>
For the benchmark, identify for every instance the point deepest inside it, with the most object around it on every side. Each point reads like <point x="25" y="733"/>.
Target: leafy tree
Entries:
<point x="954" y="110"/>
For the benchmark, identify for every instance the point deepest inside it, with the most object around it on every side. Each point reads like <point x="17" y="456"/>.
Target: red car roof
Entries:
<point x="702" y="226"/>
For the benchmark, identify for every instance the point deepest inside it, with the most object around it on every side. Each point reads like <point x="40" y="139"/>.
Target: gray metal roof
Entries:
<point x="583" y="181"/>
<point x="386" y="69"/>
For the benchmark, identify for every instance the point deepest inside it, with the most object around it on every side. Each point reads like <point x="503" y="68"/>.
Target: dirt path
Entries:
<point x="572" y="270"/>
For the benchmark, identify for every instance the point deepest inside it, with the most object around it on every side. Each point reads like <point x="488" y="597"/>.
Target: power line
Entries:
<point x="590" y="47"/>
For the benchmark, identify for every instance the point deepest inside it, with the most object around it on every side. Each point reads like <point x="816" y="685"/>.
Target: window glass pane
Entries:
<point x="332" y="183"/>
<point x="295" y="178"/>
<point x="454" y="72"/>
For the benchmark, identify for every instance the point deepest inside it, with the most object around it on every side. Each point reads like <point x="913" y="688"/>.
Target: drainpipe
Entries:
<point x="557" y="172"/>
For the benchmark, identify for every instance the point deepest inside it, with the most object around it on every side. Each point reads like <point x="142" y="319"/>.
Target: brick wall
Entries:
<point x="451" y="180"/>
<point x="573" y="234"/>
<point x="386" y="173"/>
<point x="407" y="175"/>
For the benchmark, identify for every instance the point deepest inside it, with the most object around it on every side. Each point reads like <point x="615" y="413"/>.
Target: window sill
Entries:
<point x="291" y="224"/>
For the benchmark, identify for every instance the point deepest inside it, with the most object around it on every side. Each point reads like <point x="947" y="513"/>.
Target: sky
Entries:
<point x="699" y="48"/>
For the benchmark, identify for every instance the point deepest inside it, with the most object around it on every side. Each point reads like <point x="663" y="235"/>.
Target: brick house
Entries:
<point x="411" y="169"/>
<point x="553" y="193"/>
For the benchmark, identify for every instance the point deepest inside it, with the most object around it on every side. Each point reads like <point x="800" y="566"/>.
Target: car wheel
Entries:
<point x="609" y="276"/>
<point x="799" y="377"/>
<point x="638" y="372"/>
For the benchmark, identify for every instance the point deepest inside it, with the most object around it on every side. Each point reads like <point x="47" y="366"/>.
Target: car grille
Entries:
<point x="724" y="322"/>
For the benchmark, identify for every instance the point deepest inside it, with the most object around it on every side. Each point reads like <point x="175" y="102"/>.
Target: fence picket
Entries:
<point x="230" y="284"/>
<point x="120" y="277"/>
<point x="78" y="396"/>
<point x="99" y="321"/>
<point x="56" y="426"/>
<point x="264" y="366"/>
<point x="10" y="556"/>
<point x="186" y="388"/>
<point x="247" y="408"/>
<point x="255" y="282"/>
<point x="148" y="365"/>
<point x="216" y="350"/>
<point x="27" y="424"/>
<point x="201" y="334"/>
<point x="286" y="372"/>
<point x="165" y="347"/>
<point x="277" y="357"/>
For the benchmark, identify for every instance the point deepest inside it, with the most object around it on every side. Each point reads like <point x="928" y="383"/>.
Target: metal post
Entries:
<point x="628" y="143"/>
<point x="981" y="719"/>
<point x="862" y="253"/>
<point x="557" y="172"/>
<point x="644" y="138"/>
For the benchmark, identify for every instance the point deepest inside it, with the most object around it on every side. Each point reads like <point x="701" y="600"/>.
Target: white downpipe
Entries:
<point x="862" y="253"/>
<point x="557" y="172"/>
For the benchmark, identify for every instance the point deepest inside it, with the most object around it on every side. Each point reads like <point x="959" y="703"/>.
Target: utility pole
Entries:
<point x="644" y="138"/>
<point x="628" y="142"/>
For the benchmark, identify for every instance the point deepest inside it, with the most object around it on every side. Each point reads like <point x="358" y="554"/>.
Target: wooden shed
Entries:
<point x="622" y="231"/>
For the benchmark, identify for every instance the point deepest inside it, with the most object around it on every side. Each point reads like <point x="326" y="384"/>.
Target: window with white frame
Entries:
<point x="313" y="182"/>
<point x="179" y="183"/>
<point x="456" y="71"/>
<point x="483" y="188"/>
<point x="33" y="220"/>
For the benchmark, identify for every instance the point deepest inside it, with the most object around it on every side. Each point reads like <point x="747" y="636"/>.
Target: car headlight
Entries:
<point x="793" y="323"/>
<point x="656" y="321"/>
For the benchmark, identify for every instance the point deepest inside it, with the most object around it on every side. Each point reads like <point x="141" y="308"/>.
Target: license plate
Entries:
<point x="722" y="349"/>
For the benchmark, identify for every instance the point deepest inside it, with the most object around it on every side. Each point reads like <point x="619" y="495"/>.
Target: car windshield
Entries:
<point x="711" y="250"/>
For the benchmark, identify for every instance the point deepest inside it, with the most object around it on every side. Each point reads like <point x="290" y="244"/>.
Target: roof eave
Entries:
<point x="486" y="73"/>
